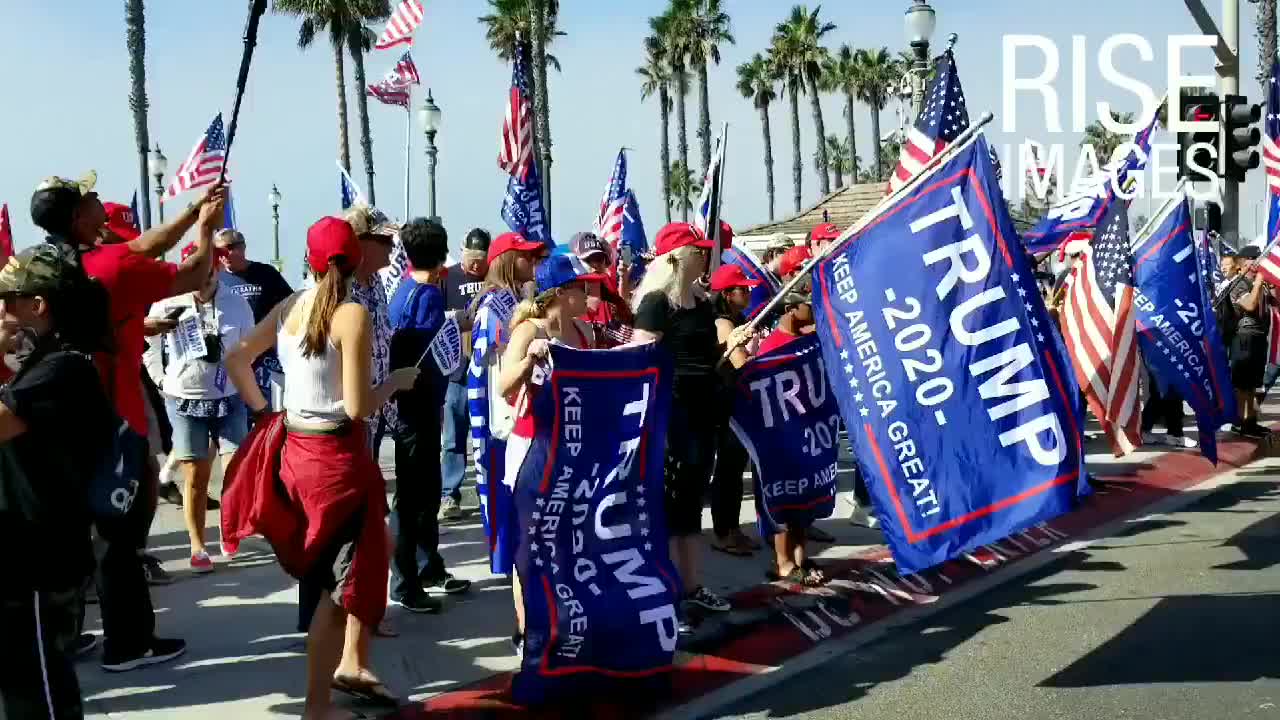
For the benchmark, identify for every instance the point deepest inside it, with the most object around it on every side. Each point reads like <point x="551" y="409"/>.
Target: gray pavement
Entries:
<point x="1176" y="617"/>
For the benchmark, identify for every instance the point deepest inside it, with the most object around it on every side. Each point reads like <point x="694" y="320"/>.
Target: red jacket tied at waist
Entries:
<point x="298" y="491"/>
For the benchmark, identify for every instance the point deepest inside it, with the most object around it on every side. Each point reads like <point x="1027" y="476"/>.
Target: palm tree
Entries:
<point x="797" y="49"/>
<point x="360" y="41"/>
<point x="543" y="14"/>
<point x="657" y="80"/>
<point x="840" y="75"/>
<point x="685" y="189"/>
<point x="1266" y="32"/>
<point x="136" y="41"/>
<point x="793" y="83"/>
<point x="1104" y="141"/>
<point x="711" y="28"/>
<point x="340" y="18"/>
<point x="839" y="160"/>
<point x="758" y="81"/>
<point x="876" y="73"/>
<point x="674" y="29"/>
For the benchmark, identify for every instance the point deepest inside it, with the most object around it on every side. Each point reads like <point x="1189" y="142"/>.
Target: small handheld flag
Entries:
<point x="348" y="191"/>
<point x="203" y="165"/>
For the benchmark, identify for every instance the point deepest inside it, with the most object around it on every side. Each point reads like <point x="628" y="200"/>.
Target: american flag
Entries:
<point x="394" y="88"/>
<point x="1273" y="337"/>
<point x="204" y="164"/>
<point x="612" y="204"/>
<point x="400" y="27"/>
<point x="944" y="117"/>
<point x="1099" y="325"/>
<point x="515" y="151"/>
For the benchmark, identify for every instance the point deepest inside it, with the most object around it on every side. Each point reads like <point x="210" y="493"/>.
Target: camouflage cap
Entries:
<point x="368" y="220"/>
<point x="45" y="268"/>
<point x="83" y="186"/>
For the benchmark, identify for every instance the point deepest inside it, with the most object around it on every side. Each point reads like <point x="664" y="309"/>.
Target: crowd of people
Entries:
<point x="175" y="368"/>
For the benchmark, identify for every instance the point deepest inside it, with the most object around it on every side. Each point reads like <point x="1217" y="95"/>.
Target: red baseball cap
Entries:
<point x="190" y="249"/>
<point x="793" y="260"/>
<point x="678" y="235"/>
<point x="731" y="276"/>
<point x="120" y="220"/>
<point x="726" y="236"/>
<point x="507" y="242"/>
<point x="331" y="238"/>
<point x="825" y="231"/>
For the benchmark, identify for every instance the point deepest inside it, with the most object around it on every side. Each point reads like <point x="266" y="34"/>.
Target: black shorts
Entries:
<point x="1248" y="361"/>
<point x="330" y="574"/>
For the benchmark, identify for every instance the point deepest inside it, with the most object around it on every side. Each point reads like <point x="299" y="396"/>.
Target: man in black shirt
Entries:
<point x="1248" y="347"/>
<point x="263" y="287"/>
<point x="462" y="283"/>
<point x="55" y="399"/>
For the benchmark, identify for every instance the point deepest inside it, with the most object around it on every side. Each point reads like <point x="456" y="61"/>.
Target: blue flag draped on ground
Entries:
<point x="960" y="404"/>
<point x="786" y="417"/>
<point x="599" y="588"/>
<point x="1177" y="330"/>
<point x="490" y="427"/>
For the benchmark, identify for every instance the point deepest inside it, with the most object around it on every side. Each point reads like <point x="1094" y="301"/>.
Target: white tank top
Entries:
<point x="313" y="385"/>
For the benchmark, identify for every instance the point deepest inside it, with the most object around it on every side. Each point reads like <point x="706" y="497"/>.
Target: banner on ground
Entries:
<point x="1177" y="330"/>
<point x="599" y="589"/>
<point x="786" y="417"/>
<point x="960" y="405"/>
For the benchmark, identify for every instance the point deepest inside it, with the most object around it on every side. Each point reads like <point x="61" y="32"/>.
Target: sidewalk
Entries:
<point x="246" y="661"/>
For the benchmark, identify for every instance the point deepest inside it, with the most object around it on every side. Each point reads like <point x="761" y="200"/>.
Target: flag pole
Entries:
<point x="256" y="10"/>
<point x="408" y="137"/>
<point x="1179" y="195"/>
<point x="963" y="141"/>
<point x="718" y="187"/>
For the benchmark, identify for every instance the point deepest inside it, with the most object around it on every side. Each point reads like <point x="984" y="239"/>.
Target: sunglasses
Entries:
<point x="233" y="246"/>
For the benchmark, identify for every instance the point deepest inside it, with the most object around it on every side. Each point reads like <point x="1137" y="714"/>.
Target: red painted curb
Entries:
<point x="866" y="589"/>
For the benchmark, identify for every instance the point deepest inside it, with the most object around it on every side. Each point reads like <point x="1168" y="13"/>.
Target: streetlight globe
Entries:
<point x="429" y="114"/>
<point x="157" y="163"/>
<point x="274" y="196"/>
<point x="921" y="21"/>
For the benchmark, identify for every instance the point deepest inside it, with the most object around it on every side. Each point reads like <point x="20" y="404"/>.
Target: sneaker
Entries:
<point x="517" y="644"/>
<point x="229" y="549"/>
<point x="154" y="572"/>
<point x="447" y="584"/>
<point x="201" y="563"/>
<point x="421" y="604"/>
<point x="862" y="517"/>
<point x="1255" y="430"/>
<point x="1179" y="441"/>
<point x="684" y="628"/>
<point x="212" y="504"/>
<point x="1150" y="438"/>
<point x="450" y="509"/>
<point x="707" y="600"/>
<point x="85" y="644"/>
<point x="161" y="650"/>
<point x="91" y="594"/>
<point x="170" y="493"/>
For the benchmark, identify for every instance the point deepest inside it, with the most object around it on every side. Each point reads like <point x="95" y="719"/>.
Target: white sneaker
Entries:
<point x="449" y="509"/>
<point x="1179" y="441"/>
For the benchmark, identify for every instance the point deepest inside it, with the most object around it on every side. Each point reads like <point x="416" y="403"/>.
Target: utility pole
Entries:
<point x="1229" y="74"/>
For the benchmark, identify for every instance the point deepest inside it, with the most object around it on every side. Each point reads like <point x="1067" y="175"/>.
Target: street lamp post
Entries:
<point x="429" y="117"/>
<point x="274" y="198"/>
<point x="921" y="21"/>
<point x="158" y="164"/>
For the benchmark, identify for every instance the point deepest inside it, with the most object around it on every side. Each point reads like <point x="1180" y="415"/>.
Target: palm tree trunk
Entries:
<point x="838" y="176"/>
<point x="682" y="132"/>
<point x="136" y="40"/>
<point x="362" y="111"/>
<point x="853" y="138"/>
<point x="538" y="28"/>
<point x="815" y="100"/>
<point x="664" y="103"/>
<point x="704" y="116"/>
<point x="875" y="140"/>
<point x="797" y="165"/>
<point x="768" y="156"/>
<point x="344" y="145"/>
<point x="1266" y="40"/>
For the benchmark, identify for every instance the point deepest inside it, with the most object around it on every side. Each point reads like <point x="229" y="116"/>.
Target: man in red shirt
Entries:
<point x="133" y="279"/>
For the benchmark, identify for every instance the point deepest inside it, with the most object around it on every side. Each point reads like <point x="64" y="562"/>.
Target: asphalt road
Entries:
<point x="1175" y="618"/>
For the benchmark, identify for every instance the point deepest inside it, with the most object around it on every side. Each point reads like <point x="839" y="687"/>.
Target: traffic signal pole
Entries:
<point x="1229" y="74"/>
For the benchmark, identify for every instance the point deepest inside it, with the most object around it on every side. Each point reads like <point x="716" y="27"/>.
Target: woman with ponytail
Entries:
<point x="327" y="528"/>
<point x="511" y="261"/>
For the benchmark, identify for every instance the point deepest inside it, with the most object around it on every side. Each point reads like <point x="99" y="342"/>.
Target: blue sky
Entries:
<point x="66" y="76"/>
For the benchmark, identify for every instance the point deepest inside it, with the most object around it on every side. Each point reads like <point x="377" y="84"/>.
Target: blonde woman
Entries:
<point x="672" y="310"/>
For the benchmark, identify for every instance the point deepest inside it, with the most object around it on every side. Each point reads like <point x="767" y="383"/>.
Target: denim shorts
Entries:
<point x="191" y="435"/>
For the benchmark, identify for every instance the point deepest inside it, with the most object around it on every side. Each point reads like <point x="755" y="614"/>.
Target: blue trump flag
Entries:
<point x="961" y="408"/>
<point x="786" y="417"/>
<point x="633" y="237"/>
<point x="1177" y="330"/>
<point x="229" y="213"/>
<point x="599" y="589"/>
<point x="754" y="270"/>
<point x="522" y="207"/>
<point x="348" y="192"/>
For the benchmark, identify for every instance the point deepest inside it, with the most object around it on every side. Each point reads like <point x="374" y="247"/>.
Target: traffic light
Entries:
<point x="1199" y="163"/>
<point x="1239" y="137"/>
<point x="1209" y="217"/>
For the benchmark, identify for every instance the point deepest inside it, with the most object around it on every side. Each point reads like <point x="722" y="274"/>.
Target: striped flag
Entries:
<point x="1269" y="263"/>
<point x="204" y="164"/>
<point x="1273" y="337"/>
<point x="6" y="234"/>
<point x="515" y="149"/>
<point x="348" y="191"/>
<point x="944" y="117"/>
<point x="708" y="218"/>
<point x="1099" y="324"/>
<point x="608" y="225"/>
<point x="400" y="27"/>
<point x="395" y="87"/>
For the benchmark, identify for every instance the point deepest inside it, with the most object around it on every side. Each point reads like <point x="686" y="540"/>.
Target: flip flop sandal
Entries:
<point x="386" y="629"/>
<point x="730" y="548"/>
<point x="369" y="691"/>
<point x="797" y="576"/>
<point x="819" y="535"/>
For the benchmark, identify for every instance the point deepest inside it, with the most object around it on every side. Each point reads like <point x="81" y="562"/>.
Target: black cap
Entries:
<point x="55" y="200"/>
<point x="1249" y="252"/>
<point x="477" y="239"/>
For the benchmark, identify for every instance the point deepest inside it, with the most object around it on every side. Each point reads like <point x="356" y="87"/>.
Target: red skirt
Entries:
<point x="301" y="491"/>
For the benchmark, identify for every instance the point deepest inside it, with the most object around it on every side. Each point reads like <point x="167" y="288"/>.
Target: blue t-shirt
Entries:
<point x="416" y="312"/>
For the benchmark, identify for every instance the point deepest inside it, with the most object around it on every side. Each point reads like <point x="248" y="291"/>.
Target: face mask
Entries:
<point x="23" y="347"/>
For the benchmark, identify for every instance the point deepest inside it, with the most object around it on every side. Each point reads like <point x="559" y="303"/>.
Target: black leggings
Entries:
<point x="691" y="441"/>
<point x="726" y="483"/>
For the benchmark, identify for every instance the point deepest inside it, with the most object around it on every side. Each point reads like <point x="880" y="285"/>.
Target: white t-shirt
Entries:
<point x="189" y="378"/>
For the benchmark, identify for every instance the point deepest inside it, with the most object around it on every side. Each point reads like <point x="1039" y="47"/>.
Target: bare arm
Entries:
<point x="1250" y="302"/>
<point x="738" y="356"/>
<point x="352" y="333"/>
<point x="518" y="360"/>
<point x="194" y="271"/>
<point x="239" y="361"/>
<point x="161" y="239"/>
